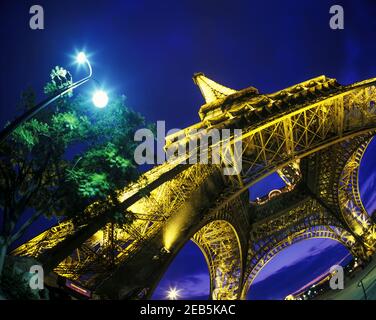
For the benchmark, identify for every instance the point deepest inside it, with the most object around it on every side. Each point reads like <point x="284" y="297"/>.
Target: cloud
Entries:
<point x="294" y="255"/>
<point x="290" y="278"/>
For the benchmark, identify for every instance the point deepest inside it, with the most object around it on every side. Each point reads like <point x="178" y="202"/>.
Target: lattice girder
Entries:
<point x="279" y="131"/>
<point x="220" y="246"/>
<point x="277" y="244"/>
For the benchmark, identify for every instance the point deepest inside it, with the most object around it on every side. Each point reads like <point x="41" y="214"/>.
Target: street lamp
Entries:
<point x="100" y="101"/>
<point x="81" y="58"/>
<point x="173" y="294"/>
<point x="100" y="97"/>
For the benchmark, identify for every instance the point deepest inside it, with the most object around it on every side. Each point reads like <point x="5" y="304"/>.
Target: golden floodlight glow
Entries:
<point x="98" y="236"/>
<point x="169" y="237"/>
<point x="173" y="229"/>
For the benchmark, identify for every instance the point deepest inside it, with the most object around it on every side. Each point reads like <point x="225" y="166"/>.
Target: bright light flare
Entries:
<point x="100" y="99"/>
<point x="173" y="294"/>
<point x="81" y="58"/>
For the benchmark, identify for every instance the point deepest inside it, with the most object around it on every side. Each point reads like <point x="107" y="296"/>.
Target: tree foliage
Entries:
<point x="67" y="157"/>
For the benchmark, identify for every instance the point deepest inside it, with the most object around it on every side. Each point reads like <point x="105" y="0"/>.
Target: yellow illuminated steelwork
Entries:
<point x="313" y="134"/>
<point x="210" y="89"/>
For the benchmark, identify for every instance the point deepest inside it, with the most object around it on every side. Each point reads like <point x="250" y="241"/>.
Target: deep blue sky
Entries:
<point x="149" y="50"/>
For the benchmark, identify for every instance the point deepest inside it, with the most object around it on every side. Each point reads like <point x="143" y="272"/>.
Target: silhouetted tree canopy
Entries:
<point x="67" y="157"/>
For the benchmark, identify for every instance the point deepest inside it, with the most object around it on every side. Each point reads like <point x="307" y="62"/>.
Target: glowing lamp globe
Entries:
<point x="173" y="294"/>
<point x="81" y="58"/>
<point x="100" y="99"/>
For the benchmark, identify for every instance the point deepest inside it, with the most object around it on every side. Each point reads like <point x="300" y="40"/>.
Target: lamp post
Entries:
<point x="100" y="99"/>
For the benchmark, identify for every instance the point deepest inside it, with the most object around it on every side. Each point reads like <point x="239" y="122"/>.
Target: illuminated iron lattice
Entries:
<point x="313" y="134"/>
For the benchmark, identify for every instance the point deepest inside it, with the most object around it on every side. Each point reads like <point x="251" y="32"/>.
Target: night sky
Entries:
<point x="149" y="50"/>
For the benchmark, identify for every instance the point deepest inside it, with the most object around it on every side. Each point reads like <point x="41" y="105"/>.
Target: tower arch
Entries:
<point x="350" y="202"/>
<point x="316" y="232"/>
<point x="219" y="242"/>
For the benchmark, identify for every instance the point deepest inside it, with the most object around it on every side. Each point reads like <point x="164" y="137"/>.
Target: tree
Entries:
<point x="66" y="158"/>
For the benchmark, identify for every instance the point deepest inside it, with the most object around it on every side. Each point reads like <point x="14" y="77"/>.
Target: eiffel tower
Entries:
<point x="313" y="134"/>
